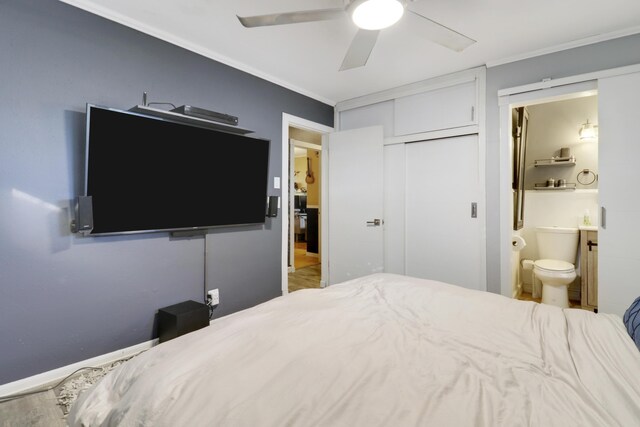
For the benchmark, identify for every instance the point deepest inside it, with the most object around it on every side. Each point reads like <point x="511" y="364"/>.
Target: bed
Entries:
<point x="383" y="350"/>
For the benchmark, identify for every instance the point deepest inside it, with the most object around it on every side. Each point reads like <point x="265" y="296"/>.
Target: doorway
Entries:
<point x="301" y="217"/>
<point x="305" y="177"/>
<point x="554" y="170"/>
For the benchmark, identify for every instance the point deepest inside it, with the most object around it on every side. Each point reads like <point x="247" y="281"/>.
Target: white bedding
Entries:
<point x="383" y="350"/>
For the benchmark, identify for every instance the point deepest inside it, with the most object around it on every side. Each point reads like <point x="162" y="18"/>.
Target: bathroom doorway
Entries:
<point x="555" y="183"/>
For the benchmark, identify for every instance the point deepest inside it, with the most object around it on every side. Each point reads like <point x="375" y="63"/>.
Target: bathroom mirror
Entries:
<point x="520" y="122"/>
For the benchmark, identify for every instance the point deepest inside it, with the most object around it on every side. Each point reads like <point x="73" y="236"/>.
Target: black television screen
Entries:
<point x="149" y="174"/>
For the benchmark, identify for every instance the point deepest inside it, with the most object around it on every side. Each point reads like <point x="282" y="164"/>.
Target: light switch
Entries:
<point x="276" y="182"/>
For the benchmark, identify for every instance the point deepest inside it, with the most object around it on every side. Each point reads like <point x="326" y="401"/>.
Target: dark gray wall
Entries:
<point x="600" y="56"/>
<point x="64" y="298"/>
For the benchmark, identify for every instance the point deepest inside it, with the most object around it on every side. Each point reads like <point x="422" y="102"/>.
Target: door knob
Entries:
<point x="375" y="223"/>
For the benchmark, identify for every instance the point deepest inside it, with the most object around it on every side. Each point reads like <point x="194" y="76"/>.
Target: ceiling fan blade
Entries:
<point x="360" y="49"/>
<point x="291" y="17"/>
<point x="437" y="33"/>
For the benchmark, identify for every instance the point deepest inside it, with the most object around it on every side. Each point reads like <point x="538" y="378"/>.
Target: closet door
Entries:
<point x="444" y="108"/>
<point x="618" y="152"/>
<point x="443" y="239"/>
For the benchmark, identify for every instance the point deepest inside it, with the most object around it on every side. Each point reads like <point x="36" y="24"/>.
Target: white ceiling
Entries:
<point x="306" y="57"/>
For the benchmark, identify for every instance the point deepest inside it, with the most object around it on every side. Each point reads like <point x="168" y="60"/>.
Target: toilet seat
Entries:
<point x="554" y="265"/>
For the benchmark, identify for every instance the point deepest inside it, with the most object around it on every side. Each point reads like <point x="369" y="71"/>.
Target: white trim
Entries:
<point x="324" y="218"/>
<point x="435" y="134"/>
<point x="440" y="82"/>
<point x="185" y="44"/>
<point x="563" y="81"/>
<point x="304" y="144"/>
<point x="291" y="211"/>
<point x="51" y="377"/>
<point x="298" y="122"/>
<point x="506" y="199"/>
<point x="559" y="93"/>
<point x="481" y="108"/>
<point x="566" y="46"/>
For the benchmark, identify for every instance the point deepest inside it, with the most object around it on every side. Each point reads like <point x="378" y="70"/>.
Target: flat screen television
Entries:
<point x="147" y="174"/>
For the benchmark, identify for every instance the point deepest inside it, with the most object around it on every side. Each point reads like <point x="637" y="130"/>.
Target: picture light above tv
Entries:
<point x="146" y="173"/>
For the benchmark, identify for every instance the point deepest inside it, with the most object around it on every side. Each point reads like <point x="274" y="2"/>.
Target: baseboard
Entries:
<point x="51" y="377"/>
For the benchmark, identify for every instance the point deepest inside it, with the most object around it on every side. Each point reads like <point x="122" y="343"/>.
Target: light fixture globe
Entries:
<point x="377" y="14"/>
<point x="588" y="132"/>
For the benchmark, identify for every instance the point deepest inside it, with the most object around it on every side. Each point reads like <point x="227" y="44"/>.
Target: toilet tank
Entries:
<point x="557" y="243"/>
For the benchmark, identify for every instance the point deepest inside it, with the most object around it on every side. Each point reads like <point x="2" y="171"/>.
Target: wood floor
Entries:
<point x="305" y="278"/>
<point x="307" y="274"/>
<point x="39" y="410"/>
<point x="301" y="259"/>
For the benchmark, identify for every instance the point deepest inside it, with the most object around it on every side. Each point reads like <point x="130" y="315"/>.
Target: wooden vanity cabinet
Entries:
<point x="589" y="269"/>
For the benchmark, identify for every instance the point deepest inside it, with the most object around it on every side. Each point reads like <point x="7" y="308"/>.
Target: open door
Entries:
<point x="354" y="203"/>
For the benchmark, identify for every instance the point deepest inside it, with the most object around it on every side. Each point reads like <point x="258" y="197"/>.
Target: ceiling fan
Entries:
<point x="370" y="16"/>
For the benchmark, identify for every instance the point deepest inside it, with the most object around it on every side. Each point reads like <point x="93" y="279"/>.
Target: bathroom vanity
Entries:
<point x="589" y="267"/>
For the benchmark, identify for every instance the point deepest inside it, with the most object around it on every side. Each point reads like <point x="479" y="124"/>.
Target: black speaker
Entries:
<point x="272" y="207"/>
<point x="182" y="318"/>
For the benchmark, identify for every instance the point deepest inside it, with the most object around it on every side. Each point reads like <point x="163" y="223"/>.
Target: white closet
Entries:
<point x="433" y="173"/>
<point x="442" y="236"/>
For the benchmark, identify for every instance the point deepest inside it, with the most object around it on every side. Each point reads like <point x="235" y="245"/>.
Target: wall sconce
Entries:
<point x="588" y="132"/>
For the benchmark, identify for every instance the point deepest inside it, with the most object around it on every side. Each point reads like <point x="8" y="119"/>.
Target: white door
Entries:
<point x="355" y="202"/>
<point x="618" y="152"/>
<point x="443" y="238"/>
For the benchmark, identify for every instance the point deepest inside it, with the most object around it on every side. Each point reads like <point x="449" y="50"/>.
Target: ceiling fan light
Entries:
<point x="377" y="14"/>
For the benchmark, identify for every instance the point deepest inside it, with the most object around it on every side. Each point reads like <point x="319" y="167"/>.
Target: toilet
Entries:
<point x="557" y="248"/>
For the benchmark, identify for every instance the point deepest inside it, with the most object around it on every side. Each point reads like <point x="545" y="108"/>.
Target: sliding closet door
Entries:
<point x="619" y="153"/>
<point x="443" y="239"/>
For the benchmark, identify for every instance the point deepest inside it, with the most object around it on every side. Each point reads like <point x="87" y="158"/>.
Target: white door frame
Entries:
<point x="518" y="96"/>
<point x="298" y="122"/>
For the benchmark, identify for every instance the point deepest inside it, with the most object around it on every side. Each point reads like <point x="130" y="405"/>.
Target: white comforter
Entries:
<point x="383" y="350"/>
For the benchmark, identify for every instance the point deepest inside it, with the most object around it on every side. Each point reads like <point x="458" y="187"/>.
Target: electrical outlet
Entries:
<point x="214" y="296"/>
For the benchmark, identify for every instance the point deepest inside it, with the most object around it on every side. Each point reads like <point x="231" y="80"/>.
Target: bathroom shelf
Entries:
<point x="543" y="186"/>
<point x="558" y="161"/>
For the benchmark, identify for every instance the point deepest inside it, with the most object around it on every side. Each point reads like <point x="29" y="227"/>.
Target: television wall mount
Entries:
<point x="83" y="221"/>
